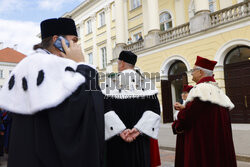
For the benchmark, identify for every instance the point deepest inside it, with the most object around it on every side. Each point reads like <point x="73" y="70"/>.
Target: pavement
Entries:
<point x="241" y="136"/>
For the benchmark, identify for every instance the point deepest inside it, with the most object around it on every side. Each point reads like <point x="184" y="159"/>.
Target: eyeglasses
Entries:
<point x="192" y="70"/>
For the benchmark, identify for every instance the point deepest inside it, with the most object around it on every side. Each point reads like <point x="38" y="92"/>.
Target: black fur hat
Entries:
<point x="60" y="26"/>
<point x="128" y="57"/>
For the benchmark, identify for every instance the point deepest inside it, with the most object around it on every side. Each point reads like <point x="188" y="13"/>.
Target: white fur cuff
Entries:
<point x="113" y="125"/>
<point x="149" y="124"/>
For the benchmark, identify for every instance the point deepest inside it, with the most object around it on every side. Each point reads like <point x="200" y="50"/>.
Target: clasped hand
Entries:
<point x="129" y="135"/>
<point x="178" y="106"/>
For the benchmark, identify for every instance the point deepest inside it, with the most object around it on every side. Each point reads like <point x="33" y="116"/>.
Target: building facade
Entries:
<point x="167" y="36"/>
<point x="9" y="58"/>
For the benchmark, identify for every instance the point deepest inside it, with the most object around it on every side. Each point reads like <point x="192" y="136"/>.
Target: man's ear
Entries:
<point x="202" y="73"/>
<point x="123" y="64"/>
<point x="54" y="38"/>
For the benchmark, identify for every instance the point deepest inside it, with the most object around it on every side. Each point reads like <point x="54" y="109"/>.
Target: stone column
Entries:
<point x="120" y="22"/>
<point x="81" y="36"/>
<point x="153" y="23"/>
<point x="120" y="27"/>
<point x="201" y="19"/>
<point x="153" y="16"/>
<point x="94" y="26"/>
<point x="109" y="42"/>
<point x="180" y="12"/>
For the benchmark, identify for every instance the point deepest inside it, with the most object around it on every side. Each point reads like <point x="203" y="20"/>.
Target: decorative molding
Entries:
<point x="135" y="17"/>
<point x="101" y="27"/>
<point x="8" y="64"/>
<point x="107" y="8"/>
<point x="88" y="49"/>
<point x="136" y="27"/>
<point x="195" y="37"/>
<point x="90" y="39"/>
<point x="101" y="34"/>
<point x="169" y="61"/>
<point x="222" y="52"/>
<point x="102" y="42"/>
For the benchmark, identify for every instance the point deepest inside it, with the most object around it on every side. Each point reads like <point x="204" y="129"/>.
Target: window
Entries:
<point x="137" y="37"/>
<point x="89" y="26"/>
<point x="135" y="4"/>
<point x="165" y="21"/>
<point x="238" y="54"/>
<point x="101" y="19"/>
<point x="113" y="11"/>
<point x="104" y="57"/>
<point x="1" y="73"/>
<point x="211" y="5"/>
<point x="90" y="58"/>
<point x="191" y="9"/>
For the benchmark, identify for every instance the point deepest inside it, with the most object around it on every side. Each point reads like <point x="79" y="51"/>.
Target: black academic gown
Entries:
<point x="71" y="134"/>
<point x="130" y="111"/>
<point x="136" y="153"/>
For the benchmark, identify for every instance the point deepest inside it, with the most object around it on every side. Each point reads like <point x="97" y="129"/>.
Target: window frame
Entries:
<point x="135" y="4"/>
<point x="104" y="57"/>
<point x="1" y="74"/>
<point x="90" y="59"/>
<point x="138" y="35"/>
<point x="89" y="26"/>
<point x="102" y="21"/>
<point x="164" y="23"/>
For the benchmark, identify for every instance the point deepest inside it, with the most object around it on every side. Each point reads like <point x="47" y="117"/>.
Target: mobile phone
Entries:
<point x="58" y="43"/>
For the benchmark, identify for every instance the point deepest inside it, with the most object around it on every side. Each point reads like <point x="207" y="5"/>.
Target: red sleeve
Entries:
<point x="189" y="114"/>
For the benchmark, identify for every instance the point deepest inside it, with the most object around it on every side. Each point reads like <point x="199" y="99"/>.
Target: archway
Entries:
<point x="171" y="87"/>
<point x="237" y="82"/>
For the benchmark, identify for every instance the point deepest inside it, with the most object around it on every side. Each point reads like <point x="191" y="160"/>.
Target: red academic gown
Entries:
<point x="207" y="129"/>
<point x="155" y="159"/>
<point x="179" y="148"/>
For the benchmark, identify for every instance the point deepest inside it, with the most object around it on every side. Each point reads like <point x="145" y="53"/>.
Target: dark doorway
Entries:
<point x="237" y="82"/>
<point x="172" y="87"/>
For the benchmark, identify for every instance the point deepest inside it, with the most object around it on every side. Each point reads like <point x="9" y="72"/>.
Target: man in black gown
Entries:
<point x="57" y="105"/>
<point x="132" y="115"/>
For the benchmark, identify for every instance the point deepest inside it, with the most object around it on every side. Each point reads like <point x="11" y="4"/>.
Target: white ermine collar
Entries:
<point x="129" y="84"/>
<point x="40" y="81"/>
<point x="209" y="91"/>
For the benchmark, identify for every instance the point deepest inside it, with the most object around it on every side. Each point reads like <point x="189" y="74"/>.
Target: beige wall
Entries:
<point x="206" y="47"/>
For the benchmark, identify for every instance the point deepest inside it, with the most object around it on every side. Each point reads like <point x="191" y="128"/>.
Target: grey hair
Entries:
<point x="127" y="65"/>
<point x="208" y="73"/>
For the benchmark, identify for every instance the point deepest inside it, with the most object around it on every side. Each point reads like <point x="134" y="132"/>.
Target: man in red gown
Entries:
<point x="205" y="121"/>
<point x="180" y="138"/>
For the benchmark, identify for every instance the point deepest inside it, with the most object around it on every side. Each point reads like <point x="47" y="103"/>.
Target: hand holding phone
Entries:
<point x="73" y="51"/>
<point x="58" y="43"/>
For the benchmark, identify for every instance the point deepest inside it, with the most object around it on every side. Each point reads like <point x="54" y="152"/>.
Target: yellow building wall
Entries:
<point x="186" y="6"/>
<point x="101" y="38"/>
<point x="135" y="22"/>
<point x="88" y="43"/>
<point x="113" y="32"/>
<point x="168" y="5"/>
<point x="234" y="2"/>
<point x="217" y="5"/>
<point x="207" y="48"/>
